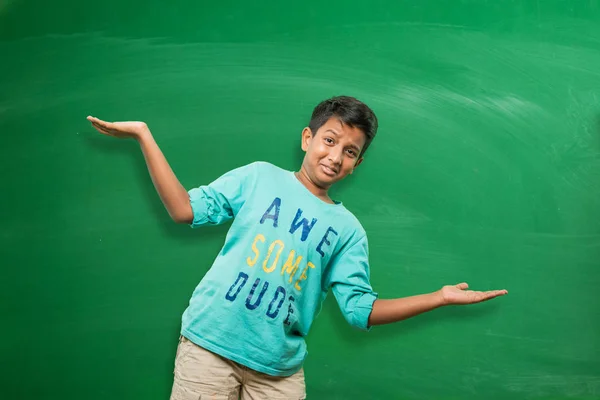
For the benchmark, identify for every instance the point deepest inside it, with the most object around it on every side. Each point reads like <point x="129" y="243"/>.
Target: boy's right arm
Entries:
<point x="171" y="192"/>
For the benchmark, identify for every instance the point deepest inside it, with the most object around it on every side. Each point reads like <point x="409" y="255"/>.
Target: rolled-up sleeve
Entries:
<point x="221" y="200"/>
<point x="349" y="281"/>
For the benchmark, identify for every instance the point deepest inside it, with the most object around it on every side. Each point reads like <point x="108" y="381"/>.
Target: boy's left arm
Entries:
<point x="393" y="310"/>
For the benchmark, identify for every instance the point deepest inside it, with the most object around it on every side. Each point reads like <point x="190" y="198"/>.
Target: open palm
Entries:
<point x="458" y="294"/>
<point x="126" y="129"/>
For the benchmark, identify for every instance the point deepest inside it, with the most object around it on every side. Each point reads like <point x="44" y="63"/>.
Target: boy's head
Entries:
<point x="340" y="131"/>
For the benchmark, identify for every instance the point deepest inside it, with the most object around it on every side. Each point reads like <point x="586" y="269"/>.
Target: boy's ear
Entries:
<point x="360" y="160"/>
<point x="306" y="138"/>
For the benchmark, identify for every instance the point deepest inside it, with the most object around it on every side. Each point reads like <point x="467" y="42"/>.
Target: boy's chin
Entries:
<point x="322" y="179"/>
<point x="326" y="180"/>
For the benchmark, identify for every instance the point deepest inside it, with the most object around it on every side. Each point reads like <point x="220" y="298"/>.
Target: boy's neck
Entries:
<point x="321" y="193"/>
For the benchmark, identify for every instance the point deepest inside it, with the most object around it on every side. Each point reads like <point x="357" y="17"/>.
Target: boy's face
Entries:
<point x="332" y="152"/>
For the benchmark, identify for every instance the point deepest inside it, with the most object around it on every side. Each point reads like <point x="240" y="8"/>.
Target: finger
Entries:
<point x="477" y="297"/>
<point x="102" y="130"/>
<point x="93" y="119"/>
<point x="492" y="294"/>
<point x="496" y="292"/>
<point x="462" y="286"/>
<point x="99" y="126"/>
<point x="99" y="122"/>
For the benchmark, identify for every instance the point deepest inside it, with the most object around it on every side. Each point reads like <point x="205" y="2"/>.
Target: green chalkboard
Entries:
<point x="486" y="169"/>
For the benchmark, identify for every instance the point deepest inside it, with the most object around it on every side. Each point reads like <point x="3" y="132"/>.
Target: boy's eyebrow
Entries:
<point x="355" y="147"/>
<point x="351" y="144"/>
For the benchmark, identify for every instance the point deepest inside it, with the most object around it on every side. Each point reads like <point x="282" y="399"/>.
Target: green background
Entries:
<point x="486" y="169"/>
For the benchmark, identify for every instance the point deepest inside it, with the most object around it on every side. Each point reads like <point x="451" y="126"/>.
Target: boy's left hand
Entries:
<point x="457" y="294"/>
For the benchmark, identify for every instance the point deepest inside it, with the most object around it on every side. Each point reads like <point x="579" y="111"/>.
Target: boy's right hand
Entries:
<point x="458" y="294"/>
<point x="127" y="129"/>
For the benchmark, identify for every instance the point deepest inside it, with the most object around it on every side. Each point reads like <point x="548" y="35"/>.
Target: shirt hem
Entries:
<point x="236" y="358"/>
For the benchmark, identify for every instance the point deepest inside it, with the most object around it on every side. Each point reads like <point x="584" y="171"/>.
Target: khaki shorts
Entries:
<point x="202" y="375"/>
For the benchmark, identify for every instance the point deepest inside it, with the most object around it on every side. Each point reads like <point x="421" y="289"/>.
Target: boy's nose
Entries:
<point x="335" y="156"/>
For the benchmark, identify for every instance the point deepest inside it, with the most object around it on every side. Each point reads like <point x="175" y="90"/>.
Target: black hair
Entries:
<point x="349" y="111"/>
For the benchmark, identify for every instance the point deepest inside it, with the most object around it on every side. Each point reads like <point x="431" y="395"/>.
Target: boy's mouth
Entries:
<point x="328" y="170"/>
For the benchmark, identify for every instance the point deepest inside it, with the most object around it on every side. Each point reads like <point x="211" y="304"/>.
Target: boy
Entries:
<point x="243" y="331"/>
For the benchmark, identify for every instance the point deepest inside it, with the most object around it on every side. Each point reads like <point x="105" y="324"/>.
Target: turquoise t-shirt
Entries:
<point x="283" y="252"/>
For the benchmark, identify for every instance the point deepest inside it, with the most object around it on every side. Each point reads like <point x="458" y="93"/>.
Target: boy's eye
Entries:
<point x="329" y="140"/>
<point x="352" y="152"/>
